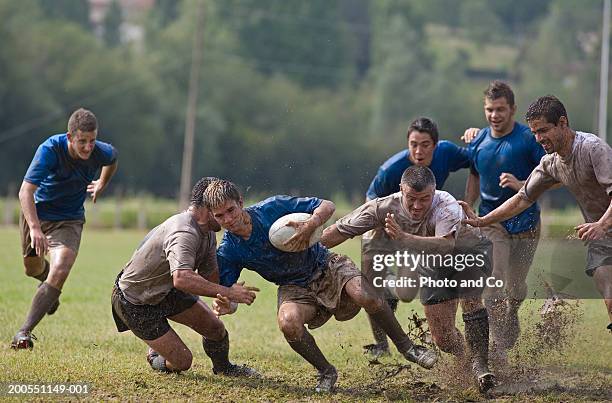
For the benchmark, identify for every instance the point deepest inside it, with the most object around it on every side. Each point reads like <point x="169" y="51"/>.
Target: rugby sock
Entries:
<point x="308" y="349"/>
<point x="46" y="296"/>
<point x="387" y="321"/>
<point x="43" y="276"/>
<point x="477" y="336"/>
<point x="379" y="335"/>
<point x="218" y="352"/>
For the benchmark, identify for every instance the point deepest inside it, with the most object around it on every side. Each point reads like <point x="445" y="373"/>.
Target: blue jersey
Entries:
<point x="517" y="153"/>
<point x="258" y="254"/>
<point x="62" y="180"/>
<point x="447" y="158"/>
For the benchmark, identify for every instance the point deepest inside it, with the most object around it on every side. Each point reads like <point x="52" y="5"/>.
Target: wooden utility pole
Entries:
<point x="192" y="103"/>
<point x="603" y="71"/>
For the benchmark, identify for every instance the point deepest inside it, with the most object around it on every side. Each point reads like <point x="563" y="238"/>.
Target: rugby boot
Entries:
<point x="422" y="356"/>
<point x="156" y="361"/>
<point x="376" y="351"/>
<point x="327" y="380"/>
<point x="23" y="340"/>
<point x="237" y="371"/>
<point x="485" y="378"/>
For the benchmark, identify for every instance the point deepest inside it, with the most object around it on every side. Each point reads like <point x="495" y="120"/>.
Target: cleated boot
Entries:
<point x="486" y="379"/>
<point x="237" y="371"/>
<point x="422" y="356"/>
<point x="327" y="381"/>
<point x="23" y="340"/>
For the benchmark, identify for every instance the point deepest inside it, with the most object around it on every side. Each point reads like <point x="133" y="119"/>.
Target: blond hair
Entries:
<point x="220" y="191"/>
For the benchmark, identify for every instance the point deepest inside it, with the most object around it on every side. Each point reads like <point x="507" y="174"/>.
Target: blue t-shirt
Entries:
<point x="258" y="254"/>
<point x="447" y="158"/>
<point x="62" y="180"/>
<point x="517" y="153"/>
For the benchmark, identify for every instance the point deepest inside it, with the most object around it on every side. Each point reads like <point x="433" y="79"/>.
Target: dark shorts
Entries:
<point x="148" y="322"/>
<point x="599" y="253"/>
<point x="59" y="234"/>
<point x="325" y="291"/>
<point x="431" y="295"/>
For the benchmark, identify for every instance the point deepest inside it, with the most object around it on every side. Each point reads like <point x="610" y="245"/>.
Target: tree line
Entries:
<point x="295" y="97"/>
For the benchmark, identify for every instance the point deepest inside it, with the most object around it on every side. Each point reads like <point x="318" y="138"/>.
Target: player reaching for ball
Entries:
<point x="314" y="284"/>
<point x="160" y="283"/>
<point x="427" y="221"/>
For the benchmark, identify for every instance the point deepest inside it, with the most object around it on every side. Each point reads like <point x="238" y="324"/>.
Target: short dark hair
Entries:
<point x="548" y="107"/>
<point x="220" y="191"/>
<point x="197" y="193"/>
<point x="83" y="120"/>
<point x="418" y="178"/>
<point x="426" y="125"/>
<point x="499" y="89"/>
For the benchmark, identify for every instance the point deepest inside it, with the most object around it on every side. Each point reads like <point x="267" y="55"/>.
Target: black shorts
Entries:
<point x="149" y="322"/>
<point x="431" y="295"/>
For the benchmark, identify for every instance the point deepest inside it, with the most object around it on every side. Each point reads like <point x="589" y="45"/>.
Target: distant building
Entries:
<point x="132" y="12"/>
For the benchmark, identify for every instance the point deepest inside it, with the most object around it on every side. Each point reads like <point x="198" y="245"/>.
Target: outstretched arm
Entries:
<point x="472" y="189"/>
<point x="511" y="207"/>
<point x="188" y="281"/>
<point x="332" y="236"/>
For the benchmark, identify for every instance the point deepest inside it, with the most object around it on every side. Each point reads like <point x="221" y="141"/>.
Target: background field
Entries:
<point x="80" y="344"/>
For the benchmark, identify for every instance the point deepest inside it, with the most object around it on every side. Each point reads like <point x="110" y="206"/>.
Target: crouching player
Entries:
<point x="314" y="284"/>
<point x="427" y="222"/>
<point x="159" y="283"/>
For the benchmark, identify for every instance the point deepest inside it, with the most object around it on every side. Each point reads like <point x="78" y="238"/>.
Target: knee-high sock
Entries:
<point x="43" y="276"/>
<point x="218" y="352"/>
<point x="386" y="320"/>
<point x="45" y="297"/>
<point x="379" y="335"/>
<point x="477" y="335"/>
<point x="308" y="349"/>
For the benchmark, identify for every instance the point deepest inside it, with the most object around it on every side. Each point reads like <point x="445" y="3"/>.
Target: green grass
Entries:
<point x="80" y="344"/>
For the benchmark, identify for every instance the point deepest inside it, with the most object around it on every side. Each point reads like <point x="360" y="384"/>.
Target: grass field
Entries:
<point x="80" y="344"/>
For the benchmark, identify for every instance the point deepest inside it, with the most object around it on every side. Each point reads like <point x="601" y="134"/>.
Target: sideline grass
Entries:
<point x="80" y="344"/>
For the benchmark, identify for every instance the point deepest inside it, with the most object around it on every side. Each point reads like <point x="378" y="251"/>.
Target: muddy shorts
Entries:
<point x="59" y="233"/>
<point x="599" y="253"/>
<point x="148" y="322"/>
<point x="325" y="291"/>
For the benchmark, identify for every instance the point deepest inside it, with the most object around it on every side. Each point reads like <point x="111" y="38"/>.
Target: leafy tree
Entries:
<point x="76" y="11"/>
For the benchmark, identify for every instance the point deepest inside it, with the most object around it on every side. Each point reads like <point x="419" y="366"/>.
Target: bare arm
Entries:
<point x="188" y="281"/>
<point x="511" y="207"/>
<point x="96" y="187"/>
<point x="429" y="244"/>
<point x="305" y="229"/>
<point x="26" y="199"/>
<point x="332" y="236"/>
<point x="472" y="189"/>
<point x="596" y="230"/>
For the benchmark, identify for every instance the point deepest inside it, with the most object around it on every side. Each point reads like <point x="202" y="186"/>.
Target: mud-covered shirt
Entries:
<point x="587" y="173"/>
<point x="177" y="244"/>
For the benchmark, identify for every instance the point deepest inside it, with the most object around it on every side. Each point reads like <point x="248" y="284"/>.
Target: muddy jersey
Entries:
<point x="443" y="218"/>
<point x="587" y="173"/>
<point x="177" y="244"/>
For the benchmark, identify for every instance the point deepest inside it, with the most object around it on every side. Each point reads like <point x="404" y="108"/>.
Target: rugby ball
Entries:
<point x="280" y="232"/>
